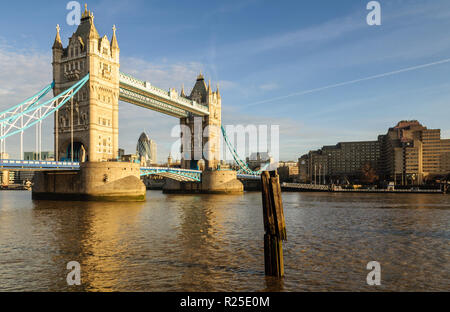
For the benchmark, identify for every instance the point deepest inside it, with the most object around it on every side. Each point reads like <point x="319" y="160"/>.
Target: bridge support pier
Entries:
<point x="213" y="182"/>
<point x="5" y="173"/>
<point x="5" y="178"/>
<point x="96" y="181"/>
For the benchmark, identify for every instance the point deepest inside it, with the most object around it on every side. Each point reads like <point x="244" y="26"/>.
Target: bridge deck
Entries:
<point x="36" y="165"/>
<point x="171" y="173"/>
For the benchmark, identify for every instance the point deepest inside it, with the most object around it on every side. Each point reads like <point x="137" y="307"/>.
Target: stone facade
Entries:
<point x="95" y="106"/>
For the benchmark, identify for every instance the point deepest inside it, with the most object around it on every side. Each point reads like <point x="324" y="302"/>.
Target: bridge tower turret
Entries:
<point x="96" y="106"/>
<point x="212" y="133"/>
<point x="208" y="134"/>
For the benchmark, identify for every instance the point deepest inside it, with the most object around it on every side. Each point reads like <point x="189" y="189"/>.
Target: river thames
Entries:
<point x="215" y="243"/>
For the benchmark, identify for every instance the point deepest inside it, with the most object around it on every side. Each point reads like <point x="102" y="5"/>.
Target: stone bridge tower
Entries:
<point x="209" y="134"/>
<point x="96" y="105"/>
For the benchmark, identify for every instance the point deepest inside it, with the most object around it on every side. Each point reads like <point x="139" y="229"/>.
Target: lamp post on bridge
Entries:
<point x="71" y="127"/>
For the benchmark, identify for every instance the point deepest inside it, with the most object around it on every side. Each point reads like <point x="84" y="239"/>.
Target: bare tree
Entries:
<point x="368" y="174"/>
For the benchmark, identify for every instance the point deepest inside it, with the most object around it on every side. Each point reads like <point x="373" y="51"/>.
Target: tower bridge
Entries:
<point x="87" y="87"/>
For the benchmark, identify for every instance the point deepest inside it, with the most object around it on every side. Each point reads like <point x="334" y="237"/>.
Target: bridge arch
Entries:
<point x="80" y="151"/>
<point x="177" y="174"/>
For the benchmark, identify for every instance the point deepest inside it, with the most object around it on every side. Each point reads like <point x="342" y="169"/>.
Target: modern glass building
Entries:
<point x="146" y="149"/>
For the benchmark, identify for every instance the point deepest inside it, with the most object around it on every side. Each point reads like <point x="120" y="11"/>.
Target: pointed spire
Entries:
<point x="87" y="29"/>
<point x="200" y="76"/>
<point x="87" y="13"/>
<point x="58" y="42"/>
<point x="182" y="91"/>
<point x="93" y="33"/>
<point x="114" y="43"/>
<point x="218" y="92"/>
<point x="209" y="87"/>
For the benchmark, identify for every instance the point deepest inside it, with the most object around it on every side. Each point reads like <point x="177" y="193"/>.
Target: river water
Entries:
<point x="215" y="243"/>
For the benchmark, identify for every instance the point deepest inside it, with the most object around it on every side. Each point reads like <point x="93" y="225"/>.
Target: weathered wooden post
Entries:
<point x="274" y="224"/>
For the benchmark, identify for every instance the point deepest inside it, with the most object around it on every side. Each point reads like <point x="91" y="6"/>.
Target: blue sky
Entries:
<point x="260" y="52"/>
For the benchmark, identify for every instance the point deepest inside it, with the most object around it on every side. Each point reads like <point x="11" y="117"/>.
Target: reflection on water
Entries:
<point x="215" y="243"/>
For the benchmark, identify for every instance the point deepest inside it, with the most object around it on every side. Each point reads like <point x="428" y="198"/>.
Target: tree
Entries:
<point x="368" y="174"/>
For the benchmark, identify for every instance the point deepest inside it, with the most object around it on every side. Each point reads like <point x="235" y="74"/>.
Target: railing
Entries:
<point x="37" y="164"/>
<point x="133" y="96"/>
<point x="249" y="177"/>
<point x="319" y="187"/>
<point x="169" y="168"/>
<point x="313" y="187"/>
<point x="184" y="174"/>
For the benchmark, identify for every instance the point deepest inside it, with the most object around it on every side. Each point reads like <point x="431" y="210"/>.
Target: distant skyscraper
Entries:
<point x="146" y="149"/>
<point x="154" y="152"/>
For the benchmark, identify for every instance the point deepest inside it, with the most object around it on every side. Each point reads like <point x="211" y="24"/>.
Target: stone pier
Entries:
<point x="96" y="181"/>
<point x="5" y="173"/>
<point x="5" y="178"/>
<point x="213" y="182"/>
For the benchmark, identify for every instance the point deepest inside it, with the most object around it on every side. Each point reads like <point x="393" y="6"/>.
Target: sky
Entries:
<point x="297" y="64"/>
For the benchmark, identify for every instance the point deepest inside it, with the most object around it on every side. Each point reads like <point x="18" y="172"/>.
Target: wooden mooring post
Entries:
<point x="274" y="224"/>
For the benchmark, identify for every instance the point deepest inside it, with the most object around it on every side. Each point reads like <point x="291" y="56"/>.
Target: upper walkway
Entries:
<point x="142" y="93"/>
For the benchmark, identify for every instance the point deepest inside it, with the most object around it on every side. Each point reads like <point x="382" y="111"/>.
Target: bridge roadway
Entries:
<point x="171" y="173"/>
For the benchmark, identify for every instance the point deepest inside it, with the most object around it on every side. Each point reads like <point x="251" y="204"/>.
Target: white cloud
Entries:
<point x="307" y="36"/>
<point x="445" y="134"/>
<point x="22" y="74"/>
<point x="164" y="74"/>
<point x="269" y="86"/>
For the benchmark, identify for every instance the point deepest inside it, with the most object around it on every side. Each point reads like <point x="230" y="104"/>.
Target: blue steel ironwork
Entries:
<point x="244" y="169"/>
<point x="174" y="173"/>
<point x="32" y="112"/>
<point x="30" y="102"/>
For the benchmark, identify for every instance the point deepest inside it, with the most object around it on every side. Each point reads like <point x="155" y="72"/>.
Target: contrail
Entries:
<point x="351" y="82"/>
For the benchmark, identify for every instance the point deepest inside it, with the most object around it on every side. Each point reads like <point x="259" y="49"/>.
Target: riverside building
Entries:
<point x="408" y="154"/>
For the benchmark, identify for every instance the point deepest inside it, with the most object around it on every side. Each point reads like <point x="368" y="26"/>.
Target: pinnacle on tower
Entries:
<point x="114" y="43"/>
<point x="87" y="13"/>
<point x="58" y="42"/>
<point x="86" y="29"/>
<point x="218" y="92"/>
<point x="209" y="87"/>
<point x="182" y="91"/>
